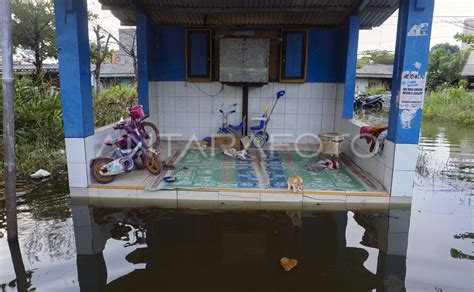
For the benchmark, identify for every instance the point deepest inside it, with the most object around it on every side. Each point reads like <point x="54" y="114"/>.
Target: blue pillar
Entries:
<point x="409" y="71"/>
<point x="146" y="56"/>
<point x="351" y="64"/>
<point x="74" y="67"/>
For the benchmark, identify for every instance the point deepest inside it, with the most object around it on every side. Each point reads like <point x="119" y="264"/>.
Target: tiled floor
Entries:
<point x="131" y="187"/>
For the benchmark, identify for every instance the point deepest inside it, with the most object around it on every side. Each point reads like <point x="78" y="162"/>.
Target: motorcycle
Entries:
<point x="129" y="148"/>
<point x="372" y="103"/>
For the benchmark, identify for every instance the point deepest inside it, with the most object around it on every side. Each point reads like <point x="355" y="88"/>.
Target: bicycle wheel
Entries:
<point x="96" y="166"/>
<point x="153" y="164"/>
<point x="151" y="134"/>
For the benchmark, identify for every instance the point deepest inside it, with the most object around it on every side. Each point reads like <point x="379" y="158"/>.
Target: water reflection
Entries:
<point x="212" y="250"/>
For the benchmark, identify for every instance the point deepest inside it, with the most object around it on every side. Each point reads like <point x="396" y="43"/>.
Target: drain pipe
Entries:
<point x="9" y="123"/>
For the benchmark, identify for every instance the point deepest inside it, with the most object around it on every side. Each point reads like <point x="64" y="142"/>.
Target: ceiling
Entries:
<point x="253" y="12"/>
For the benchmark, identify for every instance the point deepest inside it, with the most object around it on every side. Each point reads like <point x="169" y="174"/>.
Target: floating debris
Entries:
<point x="40" y="173"/>
<point x="288" y="264"/>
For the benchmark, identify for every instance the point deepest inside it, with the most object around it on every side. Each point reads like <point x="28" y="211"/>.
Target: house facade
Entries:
<point x="195" y="56"/>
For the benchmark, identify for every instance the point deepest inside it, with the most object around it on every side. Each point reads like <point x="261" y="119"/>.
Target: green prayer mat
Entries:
<point x="270" y="169"/>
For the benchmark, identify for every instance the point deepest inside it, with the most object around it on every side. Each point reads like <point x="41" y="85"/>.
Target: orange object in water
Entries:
<point x="288" y="264"/>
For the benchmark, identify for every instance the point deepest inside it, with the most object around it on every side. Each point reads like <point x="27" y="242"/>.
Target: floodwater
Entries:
<point x="74" y="247"/>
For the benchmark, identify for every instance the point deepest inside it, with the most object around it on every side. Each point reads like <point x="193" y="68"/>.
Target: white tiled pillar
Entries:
<point x="400" y="168"/>
<point x="79" y="153"/>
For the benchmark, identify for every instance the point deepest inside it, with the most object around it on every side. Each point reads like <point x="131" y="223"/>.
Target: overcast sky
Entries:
<point x="448" y="18"/>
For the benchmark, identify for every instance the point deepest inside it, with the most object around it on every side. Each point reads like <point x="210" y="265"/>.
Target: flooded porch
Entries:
<point x="209" y="175"/>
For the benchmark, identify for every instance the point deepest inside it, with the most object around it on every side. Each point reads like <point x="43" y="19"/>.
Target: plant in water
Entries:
<point x="454" y="104"/>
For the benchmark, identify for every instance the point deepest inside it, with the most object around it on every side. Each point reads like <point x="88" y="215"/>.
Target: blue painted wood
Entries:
<point x="411" y="54"/>
<point x="146" y="57"/>
<point x="170" y="57"/>
<point x="351" y="64"/>
<point x="198" y="52"/>
<point x="74" y="66"/>
<point x="326" y="55"/>
<point x="293" y="59"/>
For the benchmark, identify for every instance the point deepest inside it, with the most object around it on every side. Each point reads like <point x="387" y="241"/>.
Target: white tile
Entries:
<point x="304" y="106"/>
<point x="193" y="104"/>
<point x="205" y="104"/>
<point x="389" y="149"/>
<point x="277" y="121"/>
<point x="205" y="89"/>
<point x="291" y="121"/>
<point x="153" y="104"/>
<point x="291" y="106"/>
<point x="78" y="174"/>
<point x="267" y="90"/>
<point x="193" y="120"/>
<point x="290" y="135"/>
<point x="254" y="92"/>
<point x="402" y="183"/>
<point x="281" y="197"/>
<point x="328" y="123"/>
<point x="181" y="119"/>
<point x="317" y="90"/>
<point x="160" y="88"/>
<point x="152" y="88"/>
<point x="170" y="119"/>
<point x="216" y="88"/>
<point x="75" y="150"/>
<point x="365" y="200"/>
<point x="181" y="133"/>
<point x="405" y="157"/>
<point x="330" y="90"/>
<point x="90" y="148"/>
<point x="303" y="122"/>
<point x="196" y="195"/>
<point x="181" y="104"/>
<point x="305" y="90"/>
<point x="191" y="90"/>
<point x="329" y="106"/>
<point x="169" y="104"/>
<point x="278" y="87"/>
<point x="169" y="89"/>
<point x="229" y="91"/>
<point x="239" y="196"/>
<point x="181" y="88"/>
<point x="254" y="105"/>
<point x="204" y="120"/>
<point x="315" y="122"/>
<point x="340" y="91"/>
<point x="324" y="202"/>
<point x="279" y="108"/>
<point x="292" y="91"/>
<point x="316" y="106"/>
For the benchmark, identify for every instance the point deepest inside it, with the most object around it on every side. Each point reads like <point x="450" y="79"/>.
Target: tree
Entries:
<point x="445" y="65"/>
<point x="100" y="51"/>
<point x="376" y="57"/>
<point x="33" y="29"/>
<point x="465" y="38"/>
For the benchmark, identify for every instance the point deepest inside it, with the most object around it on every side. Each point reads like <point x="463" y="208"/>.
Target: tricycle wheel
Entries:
<point x="152" y="135"/>
<point x="259" y="141"/>
<point x="153" y="164"/>
<point x="96" y="166"/>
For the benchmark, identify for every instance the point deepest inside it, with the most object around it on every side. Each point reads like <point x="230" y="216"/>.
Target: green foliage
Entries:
<point x="465" y="38"/>
<point x="445" y="65"/>
<point x="34" y="29"/>
<point x="374" y="90"/>
<point x="104" y="113"/>
<point x="450" y="105"/>
<point x="39" y="136"/>
<point x="105" y="53"/>
<point x="376" y="57"/>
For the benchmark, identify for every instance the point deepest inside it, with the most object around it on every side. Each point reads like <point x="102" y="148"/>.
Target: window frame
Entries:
<point x="304" y="62"/>
<point x="188" y="33"/>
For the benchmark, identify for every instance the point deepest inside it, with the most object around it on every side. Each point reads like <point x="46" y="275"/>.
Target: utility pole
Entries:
<point x="9" y="123"/>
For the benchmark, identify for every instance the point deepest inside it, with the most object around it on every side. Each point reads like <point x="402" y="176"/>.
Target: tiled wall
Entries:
<point x="394" y="168"/>
<point x="186" y="108"/>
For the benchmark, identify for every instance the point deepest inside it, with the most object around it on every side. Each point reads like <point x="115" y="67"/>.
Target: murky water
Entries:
<point x="426" y="248"/>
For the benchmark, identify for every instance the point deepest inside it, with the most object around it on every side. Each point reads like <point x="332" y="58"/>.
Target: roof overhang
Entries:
<point x="253" y="13"/>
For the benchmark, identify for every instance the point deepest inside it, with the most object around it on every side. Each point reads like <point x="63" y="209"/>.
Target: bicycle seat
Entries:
<point x="238" y="127"/>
